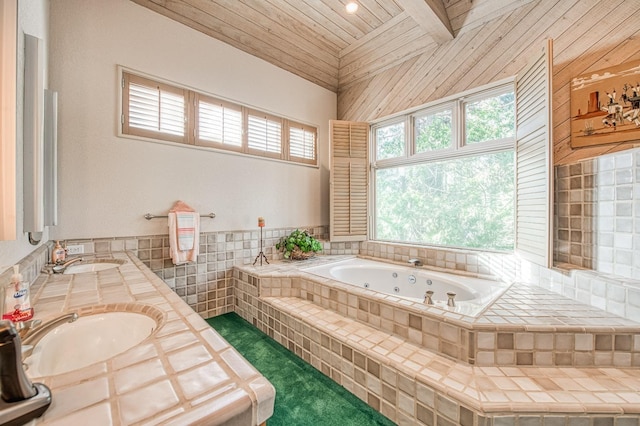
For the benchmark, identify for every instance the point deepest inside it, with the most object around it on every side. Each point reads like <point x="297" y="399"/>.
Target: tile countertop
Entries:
<point x="184" y="373"/>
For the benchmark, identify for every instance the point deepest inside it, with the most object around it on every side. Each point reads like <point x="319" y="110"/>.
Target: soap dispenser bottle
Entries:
<point x="17" y="305"/>
<point x="58" y="254"/>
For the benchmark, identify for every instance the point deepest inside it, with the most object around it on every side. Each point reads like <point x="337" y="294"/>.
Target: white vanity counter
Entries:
<point x="184" y="373"/>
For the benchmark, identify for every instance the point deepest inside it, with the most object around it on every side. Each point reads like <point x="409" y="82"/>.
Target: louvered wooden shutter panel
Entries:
<point x="302" y="143"/>
<point x="218" y="124"/>
<point x="264" y="134"/>
<point x="154" y="110"/>
<point x="534" y="183"/>
<point x="349" y="180"/>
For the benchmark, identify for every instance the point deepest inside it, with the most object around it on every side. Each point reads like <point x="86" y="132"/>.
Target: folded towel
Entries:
<point x="184" y="224"/>
<point x="186" y="229"/>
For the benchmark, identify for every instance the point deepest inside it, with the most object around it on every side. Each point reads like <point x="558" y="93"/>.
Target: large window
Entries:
<point x="444" y="175"/>
<point x="157" y="110"/>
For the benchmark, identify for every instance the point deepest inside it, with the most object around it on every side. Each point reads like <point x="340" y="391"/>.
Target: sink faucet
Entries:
<point x="21" y="401"/>
<point x="59" y="268"/>
<point x="415" y="262"/>
<point x="33" y="335"/>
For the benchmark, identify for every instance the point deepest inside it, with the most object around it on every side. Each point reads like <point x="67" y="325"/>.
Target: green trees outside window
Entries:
<point x="465" y="202"/>
<point x="455" y="187"/>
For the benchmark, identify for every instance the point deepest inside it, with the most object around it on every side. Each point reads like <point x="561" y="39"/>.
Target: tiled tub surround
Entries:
<point x="204" y="285"/>
<point x="525" y="326"/>
<point x="471" y="295"/>
<point x="402" y="362"/>
<point x="596" y="214"/>
<point x="184" y="373"/>
<point x="615" y="294"/>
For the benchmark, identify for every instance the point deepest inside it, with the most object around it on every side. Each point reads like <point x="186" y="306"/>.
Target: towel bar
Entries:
<point x="150" y="216"/>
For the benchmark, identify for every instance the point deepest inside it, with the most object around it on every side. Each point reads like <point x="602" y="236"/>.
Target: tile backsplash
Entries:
<point x="204" y="285"/>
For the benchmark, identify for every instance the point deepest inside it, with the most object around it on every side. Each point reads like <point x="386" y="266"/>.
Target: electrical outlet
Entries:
<point x="78" y="249"/>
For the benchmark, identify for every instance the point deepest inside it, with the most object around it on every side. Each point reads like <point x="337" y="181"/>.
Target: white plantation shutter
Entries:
<point x="153" y="109"/>
<point x="218" y="123"/>
<point x="349" y="180"/>
<point x="302" y="143"/>
<point x="264" y="134"/>
<point x="534" y="162"/>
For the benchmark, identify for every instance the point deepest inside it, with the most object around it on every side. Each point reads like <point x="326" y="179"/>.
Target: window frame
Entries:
<point x="224" y="104"/>
<point x="128" y="78"/>
<point x="408" y="135"/>
<point x="305" y="128"/>
<point x="434" y="109"/>
<point x="485" y="94"/>
<point x="270" y="117"/>
<point x="458" y="150"/>
<point x="191" y="136"/>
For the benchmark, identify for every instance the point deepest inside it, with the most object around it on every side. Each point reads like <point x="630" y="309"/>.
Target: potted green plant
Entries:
<point x="298" y="245"/>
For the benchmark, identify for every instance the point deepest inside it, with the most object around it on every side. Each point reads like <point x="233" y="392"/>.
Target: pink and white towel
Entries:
<point x="184" y="231"/>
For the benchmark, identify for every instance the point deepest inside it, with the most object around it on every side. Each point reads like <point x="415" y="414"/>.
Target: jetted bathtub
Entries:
<point x="473" y="295"/>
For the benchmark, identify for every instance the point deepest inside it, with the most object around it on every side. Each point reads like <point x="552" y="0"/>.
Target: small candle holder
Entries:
<point x="261" y="254"/>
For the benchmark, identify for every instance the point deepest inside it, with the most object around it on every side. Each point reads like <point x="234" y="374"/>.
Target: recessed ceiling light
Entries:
<point x="352" y="7"/>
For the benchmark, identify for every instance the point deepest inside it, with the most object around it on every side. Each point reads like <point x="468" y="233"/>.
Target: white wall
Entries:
<point x="107" y="183"/>
<point x="33" y="19"/>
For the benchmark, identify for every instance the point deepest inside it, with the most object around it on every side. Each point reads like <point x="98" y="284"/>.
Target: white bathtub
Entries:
<point x="473" y="295"/>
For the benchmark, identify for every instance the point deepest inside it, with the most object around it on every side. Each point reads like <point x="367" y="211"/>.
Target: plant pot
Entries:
<point x="297" y="254"/>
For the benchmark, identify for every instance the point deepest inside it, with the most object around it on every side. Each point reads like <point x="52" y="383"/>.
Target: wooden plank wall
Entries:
<point x="492" y="44"/>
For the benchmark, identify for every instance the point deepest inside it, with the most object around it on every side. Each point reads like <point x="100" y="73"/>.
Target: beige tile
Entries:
<point x="96" y="415"/>
<point x="584" y="342"/>
<point x="138" y="375"/>
<point x="524" y="341"/>
<point x="544" y="341"/>
<point x="202" y="379"/>
<point x="77" y="397"/>
<point x="189" y="357"/>
<point x="486" y="341"/>
<point x="158" y="397"/>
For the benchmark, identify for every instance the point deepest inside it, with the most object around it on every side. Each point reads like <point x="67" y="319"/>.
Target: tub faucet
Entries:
<point x="427" y="297"/>
<point x="451" y="302"/>
<point x="59" y="268"/>
<point x="21" y="401"/>
<point x="415" y="262"/>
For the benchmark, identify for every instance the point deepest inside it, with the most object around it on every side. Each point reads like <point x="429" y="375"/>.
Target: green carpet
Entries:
<point x="304" y="396"/>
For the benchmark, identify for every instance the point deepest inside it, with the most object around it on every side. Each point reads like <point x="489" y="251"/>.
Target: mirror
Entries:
<point x="8" y="81"/>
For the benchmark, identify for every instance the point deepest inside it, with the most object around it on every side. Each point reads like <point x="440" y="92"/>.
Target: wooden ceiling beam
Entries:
<point x="431" y="16"/>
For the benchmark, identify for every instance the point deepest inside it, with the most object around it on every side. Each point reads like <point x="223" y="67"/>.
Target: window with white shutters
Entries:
<point x="302" y="143"/>
<point x="157" y="110"/>
<point x="219" y="123"/>
<point x="264" y="134"/>
<point x="154" y="109"/>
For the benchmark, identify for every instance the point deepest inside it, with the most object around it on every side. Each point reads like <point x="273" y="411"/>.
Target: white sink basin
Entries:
<point x="88" y="340"/>
<point x="80" y="268"/>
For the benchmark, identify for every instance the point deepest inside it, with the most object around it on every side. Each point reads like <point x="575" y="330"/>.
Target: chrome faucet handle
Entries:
<point x="427" y="297"/>
<point x="415" y="262"/>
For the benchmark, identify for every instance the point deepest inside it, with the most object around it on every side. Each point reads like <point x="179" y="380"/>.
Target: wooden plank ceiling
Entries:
<point x="317" y="39"/>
